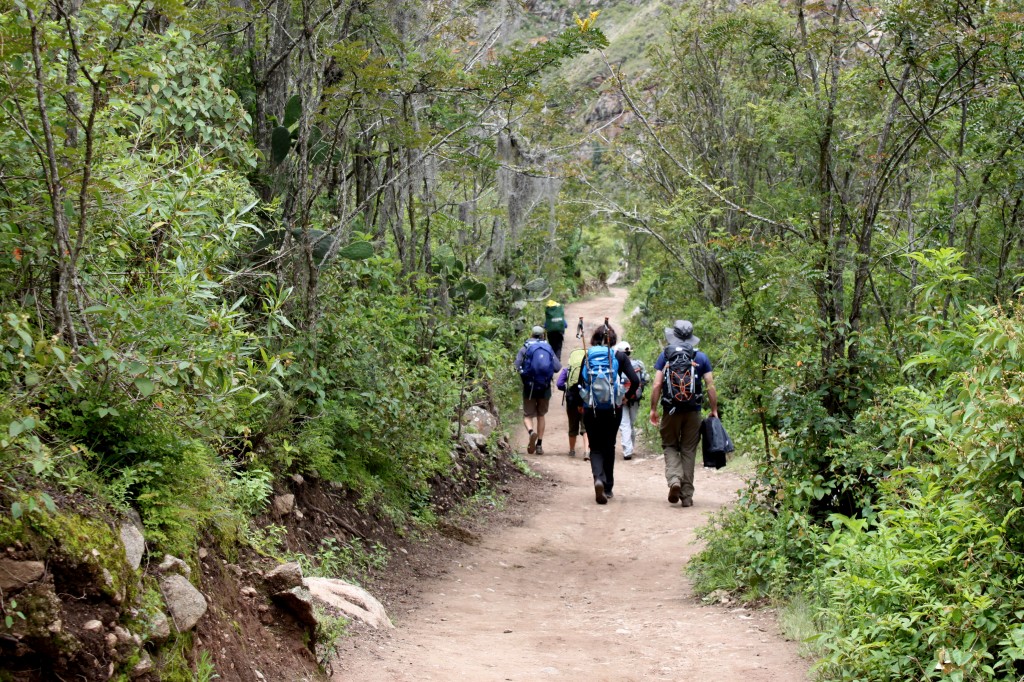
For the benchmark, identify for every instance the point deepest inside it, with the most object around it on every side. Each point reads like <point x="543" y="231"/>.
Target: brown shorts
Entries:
<point x="535" y="407"/>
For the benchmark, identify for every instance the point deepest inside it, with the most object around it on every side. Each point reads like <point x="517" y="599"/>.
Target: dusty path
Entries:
<point x="581" y="591"/>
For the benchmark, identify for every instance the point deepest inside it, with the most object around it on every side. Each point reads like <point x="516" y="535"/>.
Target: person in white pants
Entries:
<point x="632" y="408"/>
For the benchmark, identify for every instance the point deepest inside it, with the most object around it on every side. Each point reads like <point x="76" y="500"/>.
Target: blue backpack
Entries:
<point x="600" y="384"/>
<point x="538" y="366"/>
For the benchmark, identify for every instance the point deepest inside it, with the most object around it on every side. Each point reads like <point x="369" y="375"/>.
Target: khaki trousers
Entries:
<point x="680" y="434"/>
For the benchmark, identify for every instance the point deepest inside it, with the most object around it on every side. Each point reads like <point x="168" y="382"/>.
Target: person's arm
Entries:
<point x="519" y="358"/>
<point x="656" y="395"/>
<point x="709" y="381"/>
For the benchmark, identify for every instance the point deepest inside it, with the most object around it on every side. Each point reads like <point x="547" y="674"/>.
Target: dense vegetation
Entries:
<point x="243" y="240"/>
<point x="832" y="191"/>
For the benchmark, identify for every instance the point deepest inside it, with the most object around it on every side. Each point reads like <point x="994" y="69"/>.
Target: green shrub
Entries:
<point x="179" y="496"/>
<point x="755" y="551"/>
<point x="930" y="591"/>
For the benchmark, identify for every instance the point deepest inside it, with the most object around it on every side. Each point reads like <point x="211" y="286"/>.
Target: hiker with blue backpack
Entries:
<point x="536" y="363"/>
<point x="683" y="372"/>
<point x="603" y="394"/>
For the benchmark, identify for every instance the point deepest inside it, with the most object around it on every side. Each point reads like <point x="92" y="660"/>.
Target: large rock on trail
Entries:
<point x="353" y="601"/>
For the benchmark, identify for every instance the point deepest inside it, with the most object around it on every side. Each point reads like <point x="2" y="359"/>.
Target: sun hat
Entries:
<point x="681" y="332"/>
<point x="538" y="331"/>
<point x="623" y="346"/>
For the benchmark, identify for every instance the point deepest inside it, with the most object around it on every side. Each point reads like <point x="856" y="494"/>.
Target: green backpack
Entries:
<point x="554" y="318"/>
<point x="569" y="377"/>
<point x="576" y="359"/>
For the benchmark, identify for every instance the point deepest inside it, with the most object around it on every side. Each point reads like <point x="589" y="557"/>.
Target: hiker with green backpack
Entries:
<point x="568" y="383"/>
<point x="536" y="363"/>
<point x="555" y="326"/>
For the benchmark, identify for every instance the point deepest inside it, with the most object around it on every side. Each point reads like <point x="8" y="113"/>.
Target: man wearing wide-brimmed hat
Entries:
<point x="680" y="421"/>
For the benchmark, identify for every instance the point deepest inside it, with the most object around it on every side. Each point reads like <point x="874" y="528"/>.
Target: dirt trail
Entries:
<point x="581" y="591"/>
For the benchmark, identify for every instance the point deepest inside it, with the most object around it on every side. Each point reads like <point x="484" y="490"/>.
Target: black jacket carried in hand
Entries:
<point x="715" y="442"/>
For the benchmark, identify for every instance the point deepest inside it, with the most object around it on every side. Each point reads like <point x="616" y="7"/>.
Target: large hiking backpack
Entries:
<point x="576" y="359"/>
<point x="682" y="386"/>
<point x="538" y="366"/>
<point x="641" y="373"/>
<point x="570" y="375"/>
<point x="600" y="383"/>
<point x="554" y="318"/>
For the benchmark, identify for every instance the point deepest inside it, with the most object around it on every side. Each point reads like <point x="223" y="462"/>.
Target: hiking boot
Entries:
<point x="572" y="453"/>
<point x="687" y="501"/>
<point x="609" y="495"/>
<point x="532" y="447"/>
<point x="673" y="493"/>
<point x="599" y="493"/>
<point x="586" y="457"/>
<point x="627" y="457"/>
<point x="540" y="449"/>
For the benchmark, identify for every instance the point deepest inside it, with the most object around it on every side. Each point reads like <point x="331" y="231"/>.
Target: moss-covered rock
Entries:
<point x="85" y="555"/>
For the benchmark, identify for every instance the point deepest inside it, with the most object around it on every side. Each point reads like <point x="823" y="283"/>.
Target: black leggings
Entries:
<point x="555" y="340"/>
<point x="602" y="430"/>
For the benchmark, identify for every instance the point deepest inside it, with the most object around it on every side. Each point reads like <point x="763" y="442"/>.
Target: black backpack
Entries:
<point x="641" y="373"/>
<point x="682" y="386"/>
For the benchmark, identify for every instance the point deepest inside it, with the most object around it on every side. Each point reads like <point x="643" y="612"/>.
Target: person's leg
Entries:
<point x="612" y="421"/>
<point x="597" y="462"/>
<point x="626" y="429"/>
<point x="573" y="417"/>
<point x="542" y="409"/>
<point x="586" y="441"/>
<point x="669" y="431"/>
<point x="689" y="437"/>
<point x="530" y="420"/>
<point x="555" y="340"/>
